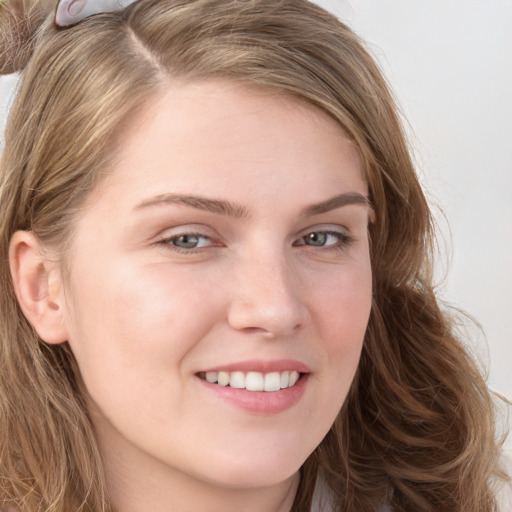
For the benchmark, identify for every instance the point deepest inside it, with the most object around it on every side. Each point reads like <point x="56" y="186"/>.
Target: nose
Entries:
<point x="266" y="298"/>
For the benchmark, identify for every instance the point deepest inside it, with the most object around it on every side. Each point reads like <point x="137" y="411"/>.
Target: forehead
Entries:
<point x="232" y="133"/>
<point x="211" y="103"/>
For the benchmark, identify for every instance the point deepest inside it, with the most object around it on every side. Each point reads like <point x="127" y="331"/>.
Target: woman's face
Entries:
<point x="226" y="251"/>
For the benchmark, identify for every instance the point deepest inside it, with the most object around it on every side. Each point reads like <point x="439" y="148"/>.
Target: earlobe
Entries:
<point x="38" y="287"/>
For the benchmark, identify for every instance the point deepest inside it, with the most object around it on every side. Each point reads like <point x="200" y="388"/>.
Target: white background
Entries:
<point x="450" y="65"/>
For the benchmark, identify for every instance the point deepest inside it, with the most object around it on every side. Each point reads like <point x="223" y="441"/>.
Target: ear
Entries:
<point x="38" y="286"/>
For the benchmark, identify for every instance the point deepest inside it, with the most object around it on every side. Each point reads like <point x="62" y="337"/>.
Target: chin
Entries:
<point x="261" y="469"/>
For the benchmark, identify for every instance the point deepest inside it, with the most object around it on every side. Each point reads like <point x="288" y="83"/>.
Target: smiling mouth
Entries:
<point x="253" y="381"/>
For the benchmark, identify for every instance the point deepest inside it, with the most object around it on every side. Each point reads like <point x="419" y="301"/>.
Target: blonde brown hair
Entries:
<point x="417" y="429"/>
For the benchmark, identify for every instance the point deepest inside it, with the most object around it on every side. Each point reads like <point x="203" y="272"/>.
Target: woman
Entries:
<point x="217" y="268"/>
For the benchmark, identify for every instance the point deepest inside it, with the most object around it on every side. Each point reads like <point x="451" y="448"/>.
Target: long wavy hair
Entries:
<point x="417" y="431"/>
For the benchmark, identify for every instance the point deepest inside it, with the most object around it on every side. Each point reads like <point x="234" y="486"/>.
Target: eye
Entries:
<point x="329" y="239"/>
<point x="187" y="241"/>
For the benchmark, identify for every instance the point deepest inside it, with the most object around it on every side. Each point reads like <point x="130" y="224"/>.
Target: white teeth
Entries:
<point x="212" y="377"/>
<point x="272" y="382"/>
<point x="223" y="378"/>
<point x="254" y="381"/>
<point x="294" y="377"/>
<point x="237" y="380"/>
<point x="284" y="380"/>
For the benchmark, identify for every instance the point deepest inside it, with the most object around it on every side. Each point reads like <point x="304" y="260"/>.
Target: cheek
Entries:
<point x="343" y="307"/>
<point x="343" y="313"/>
<point x="136" y="323"/>
<point x="340" y="309"/>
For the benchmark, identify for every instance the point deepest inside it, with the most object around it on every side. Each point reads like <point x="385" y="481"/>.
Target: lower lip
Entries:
<point x="260" y="402"/>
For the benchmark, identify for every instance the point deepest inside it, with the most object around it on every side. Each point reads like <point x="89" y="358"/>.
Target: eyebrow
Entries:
<point x="348" y="198"/>
<point x="198" y="202"/>
<point x="231" y="209"/>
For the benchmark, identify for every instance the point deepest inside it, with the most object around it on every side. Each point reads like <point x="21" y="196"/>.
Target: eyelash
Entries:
<point x="344" y="241"/>
<point x="168" y="242"/>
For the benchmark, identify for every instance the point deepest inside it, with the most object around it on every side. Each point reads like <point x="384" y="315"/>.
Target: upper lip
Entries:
<point x="281" y="365"/>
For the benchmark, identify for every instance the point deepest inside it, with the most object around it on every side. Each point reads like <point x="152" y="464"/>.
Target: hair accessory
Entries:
<point x="70" y="12"/>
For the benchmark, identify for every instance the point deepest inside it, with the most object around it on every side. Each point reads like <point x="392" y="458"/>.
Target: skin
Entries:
<point x="144" y="317"/>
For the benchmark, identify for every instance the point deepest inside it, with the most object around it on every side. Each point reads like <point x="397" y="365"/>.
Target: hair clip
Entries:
<point x="70" y="12"/>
